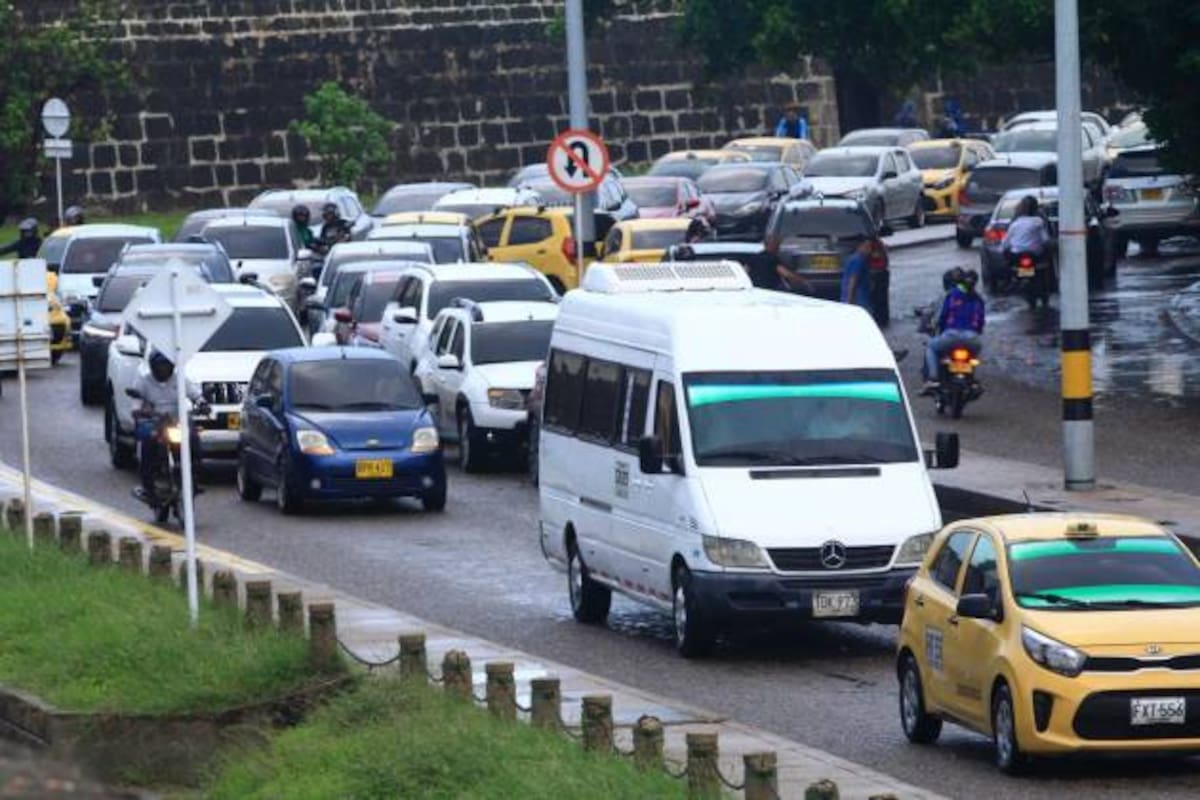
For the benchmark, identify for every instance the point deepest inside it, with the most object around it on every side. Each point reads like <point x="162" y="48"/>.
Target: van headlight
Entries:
<point x="313" y="443"/>
<point x="510" y="399"/>
<point x="425" y="440"/>
<point x="1053" y="654"/>
<point x="733" y="552"/>
<point x="913" y="551"/>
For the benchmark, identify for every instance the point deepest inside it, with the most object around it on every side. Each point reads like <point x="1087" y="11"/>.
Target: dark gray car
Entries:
<point x="746" y="195"/>
<point x="988" y="183"/>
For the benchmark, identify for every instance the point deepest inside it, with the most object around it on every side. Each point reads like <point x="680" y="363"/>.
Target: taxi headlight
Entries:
<point x="733" y="552"/>
<point x="944" y="183"/>
<point x="425" y="440"/>
<point x="510" y="399"/>
<point x="914" y="549"/>
<point x="313" y="443"/>
<point x="1053" y="654"/>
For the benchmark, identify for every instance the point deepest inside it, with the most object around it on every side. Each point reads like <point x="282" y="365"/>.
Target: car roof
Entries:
<point x="431" y="230"/>
<point x="106" y="230"/>
<point x="1028" y="159"/>
<point x="421" y="217"/>
<point x="300" y="355"/>
<point x="505" y="311"/>
<point x="823" y="202"/>
<point x="383" y="274"/>
<point x="859" y="149"/>
<point x="214" y="213"/>
<point x="476" y="271"/>
<point x="655" y="180"/>
<point x="383" y="248"/>
<point x="426" y="186"/>
<point x="758" y="166"/>
<point x="200" y="248"/>
<point x="1035" y="125"/>
<point x="265" y="221"/>
<point x="301" y="195"/>
<point x="752" y="141"/>
<point x="682" y="155"/>
<point x="1065" y="525"/>
<point x="922" y="144"/>
<point x="662" y="224"/>
<point x="497" y="194"/>
<point x="874" y="131"/>
<point x="240" y="295"/>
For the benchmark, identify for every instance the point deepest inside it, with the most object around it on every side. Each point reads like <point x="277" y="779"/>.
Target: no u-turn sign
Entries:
<point x="578" y="161"/>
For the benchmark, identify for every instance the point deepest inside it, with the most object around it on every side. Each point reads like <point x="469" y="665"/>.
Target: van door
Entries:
<point x="596" y="434"/>
<point x="664" y="496"/>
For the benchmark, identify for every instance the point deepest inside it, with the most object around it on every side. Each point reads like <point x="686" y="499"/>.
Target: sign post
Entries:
<point x="178" y="312"/>
<point x="56" y="119"/>
<point x="578" y="161"/>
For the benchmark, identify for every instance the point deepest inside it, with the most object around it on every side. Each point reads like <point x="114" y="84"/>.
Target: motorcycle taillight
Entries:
<point x="1026" y="261"/>
<point x="960" y="354"/>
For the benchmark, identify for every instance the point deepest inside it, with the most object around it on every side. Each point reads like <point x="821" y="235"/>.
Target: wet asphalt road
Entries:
<point x="477" y="568"/>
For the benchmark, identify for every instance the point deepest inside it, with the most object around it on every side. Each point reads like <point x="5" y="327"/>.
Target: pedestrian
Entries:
<point x="856" y="277"/>
<point x="28" y="240"/>
<point x="959" y="323"/>
<point x="906" y="117"/>
<point x="793" y="124"/>
<point x="951" y="125"/>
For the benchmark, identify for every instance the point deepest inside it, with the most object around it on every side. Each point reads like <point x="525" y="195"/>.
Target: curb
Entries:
<point x="908" y="244"/>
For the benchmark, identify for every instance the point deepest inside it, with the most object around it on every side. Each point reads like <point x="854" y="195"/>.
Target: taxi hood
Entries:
<point x="1133" y="628"/>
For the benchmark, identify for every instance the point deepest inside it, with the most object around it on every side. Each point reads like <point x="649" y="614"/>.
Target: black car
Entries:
<point x="812" y="238"/>
<point x="746" y="195"/>
<point x="137" y="265"/>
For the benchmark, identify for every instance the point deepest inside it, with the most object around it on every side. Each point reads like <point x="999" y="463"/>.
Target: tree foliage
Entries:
<point x="68" y="59"/>
<point x="345" y="134"/>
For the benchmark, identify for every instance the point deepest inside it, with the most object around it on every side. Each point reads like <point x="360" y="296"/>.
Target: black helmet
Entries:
<point x="1029" y="205"/>
<point x="330" y="208"/>
<point x="300" y="211"/>
<point x="952" y="277"/>
<point x="28" y="225"/>
<point x="160" y="363"/>
<point x="73" y="216"/>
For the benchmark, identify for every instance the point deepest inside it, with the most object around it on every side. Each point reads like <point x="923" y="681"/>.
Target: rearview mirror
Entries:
<point x="448" y="361"/>
<point x="1111" y="211"/>
<point x="891" y="174"/>
<point x="324" y="339"/>
<point x="429" y="398"/>
<point x="128" y="345"/>
<point x="978" y="606"/>
<point x="405" y="316"/>
<point x="264" y="401"/>
<point x="945" y="453"/>
<point x="693" y="202"/>
<point x="304" y="254"/>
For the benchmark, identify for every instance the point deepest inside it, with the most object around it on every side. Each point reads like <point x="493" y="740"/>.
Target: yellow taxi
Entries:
<point x="60" y="323"/>
<point x="426" y="218"/>
<point x="542" y="237"/>
<point x="945" y="165"/>
<point x="1054" y="633"/>
<point x="644" y="240"/>
<point x="785" y="150"/>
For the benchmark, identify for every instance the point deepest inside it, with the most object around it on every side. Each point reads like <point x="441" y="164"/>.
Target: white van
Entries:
<point x="727" y="453"/>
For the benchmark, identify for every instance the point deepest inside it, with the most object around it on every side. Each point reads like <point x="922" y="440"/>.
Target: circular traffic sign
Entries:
<point x="56" y="118"/>
<point x="578" y="161"/>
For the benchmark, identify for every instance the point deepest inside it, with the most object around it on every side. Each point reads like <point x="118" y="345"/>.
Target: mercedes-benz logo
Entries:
<point x="833" y="555"/>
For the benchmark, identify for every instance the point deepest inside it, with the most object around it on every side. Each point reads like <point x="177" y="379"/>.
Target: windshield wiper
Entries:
<point x="1056" y="599"/>
<point x="1134" y="603"/>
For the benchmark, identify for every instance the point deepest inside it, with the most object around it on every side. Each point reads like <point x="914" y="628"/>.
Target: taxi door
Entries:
<point x="971" y="644"/>
<point x="934" y="602"/>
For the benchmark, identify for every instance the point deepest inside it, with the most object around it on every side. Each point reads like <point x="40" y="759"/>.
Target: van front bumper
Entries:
<point x="726" y="596"/>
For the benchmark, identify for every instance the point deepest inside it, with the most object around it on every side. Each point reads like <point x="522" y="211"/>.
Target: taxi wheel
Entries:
<point x="919" y="726"/>
<point x="1009" y="758"/>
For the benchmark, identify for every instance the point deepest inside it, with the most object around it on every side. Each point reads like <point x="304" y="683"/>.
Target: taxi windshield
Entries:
<point x="1103" y="573"/>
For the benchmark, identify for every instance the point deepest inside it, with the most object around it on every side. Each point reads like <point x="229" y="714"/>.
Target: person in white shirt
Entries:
<point x="1027" y="233"/>
<point x="158" y="395"/>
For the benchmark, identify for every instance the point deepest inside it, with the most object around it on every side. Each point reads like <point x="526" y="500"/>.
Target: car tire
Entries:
<point x="470" y="450"/>
<point x="963" y="239"/>
<point x="287" y="497"/>
<point x="917" y="220"/>
<point x="121" y="455"/>
<point x="434" y="500"/>
<point x="531" y="449"/>
<point x="1009" y="758"/>
<point x="590" y="601"/>
<point x="248" y="489"/>
<point x="920" y="727"/>
<point x="694" y="636"/>
<point x="878" y="210"/>
<point x="90" y="394"/>
<point x="1149" y="246"/>
<point x="55" y="357"/>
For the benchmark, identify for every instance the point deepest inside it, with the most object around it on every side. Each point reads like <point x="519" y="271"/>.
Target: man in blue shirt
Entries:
<point x="856" y="277"/>
<point x="959" y="323"/>
<point x="791" y="124"/>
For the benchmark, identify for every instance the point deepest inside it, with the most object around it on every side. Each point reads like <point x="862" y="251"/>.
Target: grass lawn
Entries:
<point x="167" y="222"/>
<point x="388" y="740"/>
<point x="92" y="639"/>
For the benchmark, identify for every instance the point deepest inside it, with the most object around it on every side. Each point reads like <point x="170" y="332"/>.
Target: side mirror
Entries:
<point x="324" y="339"/>
<point x="264" y="401"/>
<point x="891" y="174"/>
<point x="978" y="606"/>
<point x="343" y="315"/>
<point x="886" y="230"/>
<point x="693" y="202"/>
<point x="650" y="460"/>
<point x="448" y="361"/>
<point x="945" y="452"/>
<point x="308" y="285"/>
<point x="304" y="254"/>
<point x="248" y="278"/>
<point x="128" y="345"/>
<point x="98" y="280"/>
<point x="405" y="316"/>
<point x="134" y="393"/>
<point x="1111" y="212"/>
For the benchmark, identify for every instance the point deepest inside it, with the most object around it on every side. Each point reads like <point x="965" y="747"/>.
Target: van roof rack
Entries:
<point x="679" y="276"/>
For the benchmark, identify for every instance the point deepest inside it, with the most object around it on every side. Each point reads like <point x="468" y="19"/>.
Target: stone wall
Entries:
<point x="475" y="87"/>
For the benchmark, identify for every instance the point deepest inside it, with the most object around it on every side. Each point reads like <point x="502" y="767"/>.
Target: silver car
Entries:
<point x="883" y="179"/>
<point x="1042" y="137"/>
<point x="282" y="201"/>
<point x="1152" y="202"/>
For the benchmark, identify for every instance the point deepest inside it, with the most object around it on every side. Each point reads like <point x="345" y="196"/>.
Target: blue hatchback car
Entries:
<point x="333" y="423"/>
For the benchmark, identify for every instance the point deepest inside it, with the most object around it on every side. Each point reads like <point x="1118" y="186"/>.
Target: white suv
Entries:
<point x="481" y="363"/>
<point x="260" y="322"/>
<point x="426" y="289"/>
<point x="267" y="248"/>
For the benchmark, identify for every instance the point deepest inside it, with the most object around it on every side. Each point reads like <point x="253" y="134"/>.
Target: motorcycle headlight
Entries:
<point x="101" y="333"/>
<point x="313" y="443"/>
<point x="425" y="440"/>
<point x="750" y="208"/>
<point x="510" y="399"/>
<point x="174" y="434"/>
<point x="733" y="552"/>
<point x="913" y="551"/>
<point x="1053" y="654"/>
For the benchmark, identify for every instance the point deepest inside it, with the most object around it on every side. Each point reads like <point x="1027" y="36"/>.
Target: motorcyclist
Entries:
<point x="959" y="323"/>
<point x="301" y="218"/>
<point x="28" y="240"/>
<point x="158" y="391"/>
<point x="1028" y="232"/>
<point x="73" y="216"/>
<point x="334" y="229"/>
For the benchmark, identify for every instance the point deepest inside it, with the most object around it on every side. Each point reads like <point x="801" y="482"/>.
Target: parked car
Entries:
<point x="87" y="253"/>
<point x="345" y="253"/>
<point x="989" y="181"/>
<point x="265" y="249"/>
<point x="1091" y="118"/>
<point x="658" y="197"/>
<point x="644" y="240"/>
<point x="812" y="238"/>
<point x="883" y="137"/>
<point x="745" y="196"/>
<point x="753" y="257"/>
<point x="480" y="363"/>
<point x="282" y="201"/>
<point x="336" y="424"/>
<point x="533" y="421"/>
<point x="884" y="179"/>
<point x="260" y="322"/>
<point x="358" y="324"/>
<point x="1041" y="137"/>
<point x="945" y="165"/>
<point x="544" y="238"/>
<point x="540" y="170"/>
<point x="451" y="241"/>
<point x="783" y="150"/>
<point x="415" y="196"/>
<point x="611" y="197"/>
<point x="694" y="163"/>
<point x="193" y="224"/>
<point x="53" y="246"/>
<point x="1153" y="201"/>
<point x="476" y="203"/>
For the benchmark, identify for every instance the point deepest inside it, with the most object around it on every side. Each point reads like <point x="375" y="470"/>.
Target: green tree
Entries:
<point x="343" y="131"/>
<point x="69" y="58"/>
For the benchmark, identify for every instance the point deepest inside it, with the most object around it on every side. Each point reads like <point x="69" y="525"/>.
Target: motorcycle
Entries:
<point x="163" y="429"/>
<point x="1034" y="277"/>
<point x="956" y="381"/>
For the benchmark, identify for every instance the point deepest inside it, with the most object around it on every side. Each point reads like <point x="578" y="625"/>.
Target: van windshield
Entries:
<point x="742" y="419"/>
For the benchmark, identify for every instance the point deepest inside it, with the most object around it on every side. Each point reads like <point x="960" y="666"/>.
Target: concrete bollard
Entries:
<point x="14" y="515"/>
<point x="291" y="612"/>
<point x="322" y="637"/>
<point x="545" y="703"/>
<point x="70" y="532"/>
<point x="821" y="790"/>
<point x="129" y="553"/>
<point x="761" y="776"/>
<point x="702" y="754"/>
<point x="258" y="604"/>
<point x="99" y="547"/>
<point x="44" y="528"/>
<point x="597" y="721"/>
<point x="159" y="566"/>
<point x="501" y="689"/>
<point x="199" y="576"/>
<point x="456" y="674"/>
<point x="648" y="743"/>
<point x="413" y="663"/>
<point x="224" y="589"/>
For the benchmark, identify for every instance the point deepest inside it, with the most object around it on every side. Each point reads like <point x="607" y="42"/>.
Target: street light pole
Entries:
<point x="577" y="100"/>
<point x="1079" y="457"/>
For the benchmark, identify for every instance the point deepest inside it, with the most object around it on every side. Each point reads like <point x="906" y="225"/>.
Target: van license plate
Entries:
<point x="366" y="468"/>
<point x="835" y="604"/>
<point x="1158" y="710"/>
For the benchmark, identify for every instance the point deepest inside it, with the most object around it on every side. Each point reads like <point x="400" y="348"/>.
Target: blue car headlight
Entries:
<point x="425" y="440"/>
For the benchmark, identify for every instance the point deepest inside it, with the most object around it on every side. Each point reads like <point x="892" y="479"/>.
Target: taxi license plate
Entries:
<point x="958" y="367"/>
<point x="824" y="262"/>
<point x="1158" y="710"/>
<point x="233" y="421"/>
<point x="1152" y="194"/>
<point x="368" y="468"/>
<point x="1025" y="272"/>
<point x="835" y="604"/>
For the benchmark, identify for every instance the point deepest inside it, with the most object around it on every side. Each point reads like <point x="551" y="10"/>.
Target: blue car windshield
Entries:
<point x="347" y="384"/>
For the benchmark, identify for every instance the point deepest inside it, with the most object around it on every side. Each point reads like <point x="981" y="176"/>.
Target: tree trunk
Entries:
<point x="859" y="99"/>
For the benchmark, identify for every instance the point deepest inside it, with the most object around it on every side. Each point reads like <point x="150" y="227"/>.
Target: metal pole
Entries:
<point x="1078" y="445"/>
<point x="577" y="99"/>
<point x="26" y="468"/>
<point x="58" y="179"/>
<point x="185" y="453"/>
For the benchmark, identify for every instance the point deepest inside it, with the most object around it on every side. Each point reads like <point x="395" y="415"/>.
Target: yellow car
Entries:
<point x="793" y="152"/>
<point x="541" y="237"/>
<point x="1054" y="633"/>
<point x="426" y="218"/>
<point x="644" y="240"/>
<point x="60" y="323"/>
<point x="945" y="165"/>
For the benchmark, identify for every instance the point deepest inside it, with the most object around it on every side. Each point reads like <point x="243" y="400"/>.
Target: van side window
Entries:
<point x="601" y="395"/>
<point x="666" y="420"/>
<point x="949" y="560"/>
<point x="635" y="399"/>
<point x="564" y="391"/>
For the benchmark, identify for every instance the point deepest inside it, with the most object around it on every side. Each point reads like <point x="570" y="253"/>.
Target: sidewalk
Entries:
<point x="370" y="632"/>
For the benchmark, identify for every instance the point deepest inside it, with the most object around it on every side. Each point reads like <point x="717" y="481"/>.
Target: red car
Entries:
<point x="664" y="197"/>
<point x="359" y="322"/>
